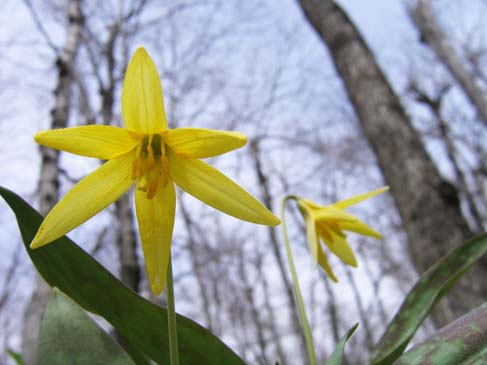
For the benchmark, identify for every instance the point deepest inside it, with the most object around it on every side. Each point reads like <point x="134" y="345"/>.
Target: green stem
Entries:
<point x="297" y="291"/>
<point x="171" y="317"/>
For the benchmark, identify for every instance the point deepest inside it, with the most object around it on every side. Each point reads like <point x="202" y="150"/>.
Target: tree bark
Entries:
<point x="197" y="266"/>
<point x="48" y="188"/>
<point x="434" y="104"/>
<point x="288" y="290"/>
<point x="130" y="272"/>
<point x="437" y="40"/>
<point x="428" y="205"/>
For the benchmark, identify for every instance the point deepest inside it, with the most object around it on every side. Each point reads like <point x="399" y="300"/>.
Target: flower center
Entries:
<point x="151" y="166"/>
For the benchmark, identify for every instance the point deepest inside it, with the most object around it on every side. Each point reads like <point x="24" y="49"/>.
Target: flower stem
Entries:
<point x="297" y="291"/>
<point x="171" y="317"/>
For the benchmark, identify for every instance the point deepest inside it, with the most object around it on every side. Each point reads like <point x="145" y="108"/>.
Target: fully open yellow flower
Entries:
<point x="329" y="223"/>
<point x="147" y="153"/>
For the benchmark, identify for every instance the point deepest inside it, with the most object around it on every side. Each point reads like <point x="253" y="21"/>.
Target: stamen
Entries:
<point x="153" y="182"/>
<point x="137" y="164"/>
<point x="150" y="152"/>
<point x="151" y="166"/>
<point x="336" y="228"/>
<point x="165" y="167"/>
<point x="322" y="228"/>
<point x="142" y="185"/>
<point x="135" y="169"/>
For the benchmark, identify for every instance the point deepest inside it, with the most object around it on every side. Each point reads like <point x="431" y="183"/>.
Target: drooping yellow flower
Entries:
<point x="328" y="223"/>
<point x="153" y="157"/>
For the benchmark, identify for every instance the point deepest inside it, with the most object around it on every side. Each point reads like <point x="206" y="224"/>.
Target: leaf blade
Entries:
<point x="429" y="289"/>
<point x="69" y="336"/>
<point x="462" y="342"/>
<point x="64" y="265"/>
<point x="336" y="358"/>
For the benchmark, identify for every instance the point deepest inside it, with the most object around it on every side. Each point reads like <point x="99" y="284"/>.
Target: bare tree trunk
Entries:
<point x="272" y="322"/>
<point x="364" y="317"/>
<point x="332" y="310"/>
<point x="48" y="188"/>
<point x="127" y="244"/>
<point x="434" y="104"/>
<point x="428" y="205"/>
<point x="267" y="198"/>
<point x="255" y="314"/>
<point x="437" y="40"/>
<point x="197" y="266"/>
<point x="130" y="272"/>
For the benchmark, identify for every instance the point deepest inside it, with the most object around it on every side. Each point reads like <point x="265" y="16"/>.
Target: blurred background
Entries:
<point x="336" y="98"/>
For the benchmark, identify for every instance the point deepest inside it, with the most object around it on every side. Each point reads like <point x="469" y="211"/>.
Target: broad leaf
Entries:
<point x="336" y="358"/>
<point x="462" y="342"/>
<point x="142" y="324"/>
<point x="69" y="336"/>
<point x="430" y="288"/>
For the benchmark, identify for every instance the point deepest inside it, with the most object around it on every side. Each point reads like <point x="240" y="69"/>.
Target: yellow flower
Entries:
<point x="328" y="223"/>
<point x="147" y="153"/>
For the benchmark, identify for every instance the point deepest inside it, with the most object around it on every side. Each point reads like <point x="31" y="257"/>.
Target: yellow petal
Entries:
<point x="215" y="189"/>
<point x="359" y="227"/>
<point x="99" y="141"/>
<point x="311" y="234"/>
<point x="156" y="221"/>
<point x="340" y="247"/>
<point x="324" y="232"/>
<point x="331" y="213"/>
<point x="202" y="143"/>
<point x="92" y="194"/>
<point x="323" y="261"/>
<point x="142" y="101"/>
<point x="312" y="237"/>
<point x="358" y="198"/>
<point x="309" y="204"/>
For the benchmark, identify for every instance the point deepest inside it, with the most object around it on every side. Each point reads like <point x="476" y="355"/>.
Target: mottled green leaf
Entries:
<point x="142" y="324"/>
<point x="69" y="336"/>
<point x="430" y="288"/>
<point x="336" y="358"/>
<point x="462" y="342"/>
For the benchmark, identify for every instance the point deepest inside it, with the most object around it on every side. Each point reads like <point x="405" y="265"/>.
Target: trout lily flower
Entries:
<point x="151" y="156"/>
<point x="328" y="223"/>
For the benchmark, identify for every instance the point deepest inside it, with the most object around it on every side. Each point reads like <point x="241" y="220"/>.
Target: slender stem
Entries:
<point x="171" y="317"/>
<point x="297" y="291"/>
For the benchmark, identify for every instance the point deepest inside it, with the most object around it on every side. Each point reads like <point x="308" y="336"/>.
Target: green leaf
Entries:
<point x="69" y="336"/>
<point x="142" y="324"/>
<point x="15" y="356"/>
<point x="462" y="342"/>
<point x="336" y="357"/>
<point x="430" y="288"/>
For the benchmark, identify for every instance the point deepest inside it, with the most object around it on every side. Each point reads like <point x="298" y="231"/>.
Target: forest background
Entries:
<point x="258" y="67"/>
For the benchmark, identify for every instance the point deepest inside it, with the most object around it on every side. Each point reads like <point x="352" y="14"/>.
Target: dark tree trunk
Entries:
<point x="130" y="272"/>
<point x="428" y="205"/>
